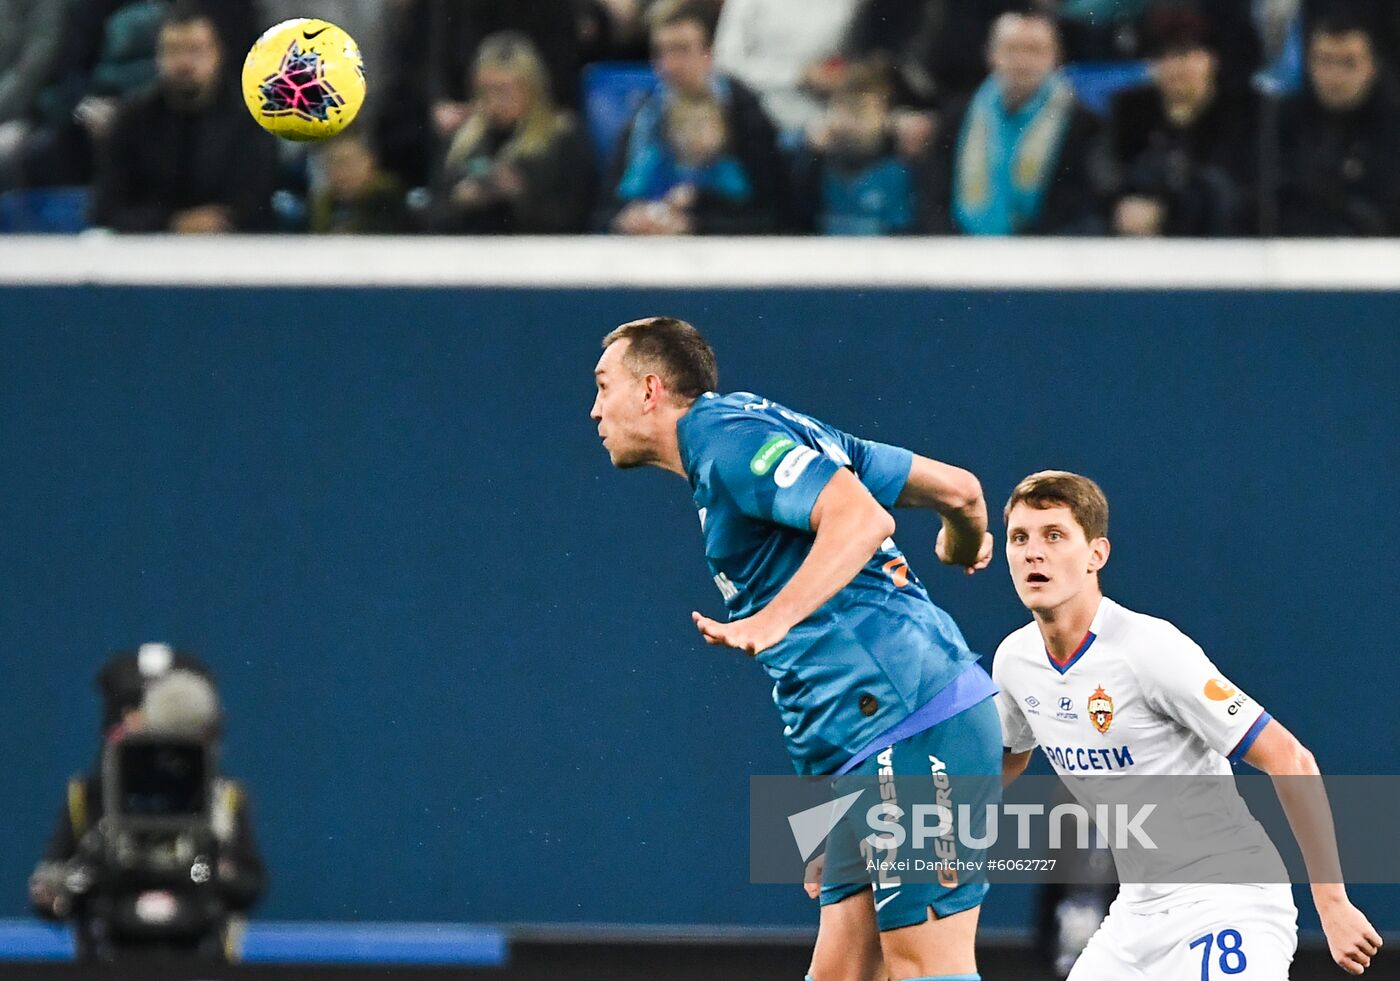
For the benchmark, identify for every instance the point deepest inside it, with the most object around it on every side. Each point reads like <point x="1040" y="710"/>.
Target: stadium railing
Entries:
<point x="605" y="261"/>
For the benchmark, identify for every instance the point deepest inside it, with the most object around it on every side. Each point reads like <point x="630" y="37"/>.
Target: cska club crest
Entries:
<point x="1101" y="709"/>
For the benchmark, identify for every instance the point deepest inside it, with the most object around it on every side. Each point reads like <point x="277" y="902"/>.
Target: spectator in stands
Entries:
<point x="460" y="26"/>
<point x="691" y="168"/>
<point x="1380" y="18"/>
<point x="109" y="53"/>
<point x="183" y="157"/>
<point x="616" y="30"/>
<point x="30" y="41"/>
<point x="681" y="40"/>
<point x="429" y="53"/>
<point x="1339" y="140"/>
<point x="355" y="196"/>
<point x="1234" y="31"/>
<point x="850" y="180"/>
<point x="238" y="23"/>
<point x="784" y="50"/>
<point x="1016" y="159"/>
<point x="1112" y="30"/>
<point x="935" y="46"/>
<point x="1180" y="148"/>
<point x="518" y="164"/>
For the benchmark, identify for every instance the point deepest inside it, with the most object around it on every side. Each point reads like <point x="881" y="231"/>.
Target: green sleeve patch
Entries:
<point x="769" y="453"/>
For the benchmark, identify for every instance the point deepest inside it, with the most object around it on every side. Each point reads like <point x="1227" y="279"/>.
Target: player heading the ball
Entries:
<point x="868" y="673"/>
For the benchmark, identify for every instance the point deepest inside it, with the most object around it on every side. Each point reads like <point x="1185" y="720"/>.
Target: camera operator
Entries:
<point x="153" y="856"/>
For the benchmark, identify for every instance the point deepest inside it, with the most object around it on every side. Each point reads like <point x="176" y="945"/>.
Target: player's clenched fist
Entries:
<point x="984" y="553"/>
<point x="1351" y="939"/>
<point x="752" y="635"/>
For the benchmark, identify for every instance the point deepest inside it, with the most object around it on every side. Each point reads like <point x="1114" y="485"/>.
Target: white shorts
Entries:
<point x="1236" y="933"/>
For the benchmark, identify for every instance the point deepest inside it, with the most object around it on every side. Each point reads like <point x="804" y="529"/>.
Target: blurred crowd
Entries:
<point x="839" y="117"/>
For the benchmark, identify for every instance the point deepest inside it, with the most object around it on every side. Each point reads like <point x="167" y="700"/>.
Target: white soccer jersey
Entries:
<point x="1138" y="698"/>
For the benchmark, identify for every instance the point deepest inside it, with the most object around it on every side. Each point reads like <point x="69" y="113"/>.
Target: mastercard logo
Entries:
<point x="1217" y="690"/>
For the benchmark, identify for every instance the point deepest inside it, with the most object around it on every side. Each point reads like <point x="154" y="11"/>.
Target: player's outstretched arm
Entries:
<point x="1350" y="937"/>
<point x="850" y="526"/>
<point x="957" y="497"/>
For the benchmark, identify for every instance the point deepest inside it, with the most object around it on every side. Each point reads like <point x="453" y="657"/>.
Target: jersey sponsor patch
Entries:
<point x="945" y="848"/>
<point x="1240" y="701"/>
<point x="793" y="464"/>
<point x="1101" y="709"/>
<point x="1219" y="690"/>
<point x="1080" y="758"/>
<point x="769" y="453"/>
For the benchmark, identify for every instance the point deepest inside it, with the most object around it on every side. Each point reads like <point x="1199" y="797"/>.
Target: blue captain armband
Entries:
<point x="1247" y="740"/>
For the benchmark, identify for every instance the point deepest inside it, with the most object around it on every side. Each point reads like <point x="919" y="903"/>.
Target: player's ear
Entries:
<point x="1098" y="554"/>
<point x="653" y="391"/>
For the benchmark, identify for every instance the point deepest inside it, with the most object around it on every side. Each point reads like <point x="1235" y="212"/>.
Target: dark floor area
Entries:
<point x="617" y="961"/>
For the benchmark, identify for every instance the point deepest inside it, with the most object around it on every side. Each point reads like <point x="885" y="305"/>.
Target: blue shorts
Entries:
<point x="957" y="762"/>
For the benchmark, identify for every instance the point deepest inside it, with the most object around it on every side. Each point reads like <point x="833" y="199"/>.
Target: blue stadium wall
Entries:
<point x="455" y="645"/>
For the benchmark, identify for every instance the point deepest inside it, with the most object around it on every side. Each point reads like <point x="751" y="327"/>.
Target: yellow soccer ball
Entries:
<point x="304" y="80"/>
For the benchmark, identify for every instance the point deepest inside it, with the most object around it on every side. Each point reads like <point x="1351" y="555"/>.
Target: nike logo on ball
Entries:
<point x="311" y="35"/>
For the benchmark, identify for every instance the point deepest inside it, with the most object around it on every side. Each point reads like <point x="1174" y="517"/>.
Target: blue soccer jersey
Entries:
<point x="877" y="650"/>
